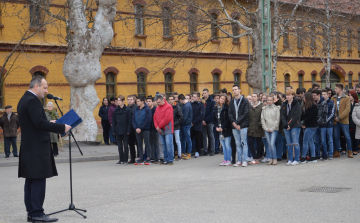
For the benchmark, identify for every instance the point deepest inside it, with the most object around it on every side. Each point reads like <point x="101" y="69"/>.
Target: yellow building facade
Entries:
<point x="145" y="57"/>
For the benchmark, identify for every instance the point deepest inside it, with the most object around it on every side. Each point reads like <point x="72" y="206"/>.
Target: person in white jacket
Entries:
<point x="270" y="118"/>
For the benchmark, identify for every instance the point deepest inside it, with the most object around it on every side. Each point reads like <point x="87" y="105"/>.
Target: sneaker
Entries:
<point x="212" y="154"/>
<point x="265" y="160"/>
<point x="126" y="163"/>
<point x="254" y="162"/>
<point x="223" y="163"/>
<point x="233" y="162"/>
<point x="164" y="163"/>
<point x="307" y="157"/>
<point x="288" y="163"/>
<point x="244" y="164"/>
<point x="196" y="155"/>
<point x="250" y="159"/>
<point x="179" y="158"/>
<point x="294" y="163"/>
<point x="278" y="159"/>
<point x="205" y="153"/>
<point x="217" y="152"/>
<point x="139" y="162"/>
<point x="343" y="153"/>
<point x="238" y="163"/>
<point x="330" y="158"/>
<point x="170" y="163"/>
<point x="227" y="163"/>
<point x="313" y="160"/>
<point x="119" y="163"/>
<point x="147" y="162"/>
<point x="303" y="160"/>
<point x="152" y="161"/>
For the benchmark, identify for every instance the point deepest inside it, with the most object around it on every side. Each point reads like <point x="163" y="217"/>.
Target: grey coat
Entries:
<point x="356" y="120"/>
<point x="54" y="137"/>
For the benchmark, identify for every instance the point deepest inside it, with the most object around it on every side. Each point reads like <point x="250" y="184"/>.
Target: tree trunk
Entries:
<point x="82" y="63"/>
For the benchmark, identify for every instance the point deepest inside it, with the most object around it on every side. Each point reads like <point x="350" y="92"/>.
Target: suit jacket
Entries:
<point x="36" y="158"/>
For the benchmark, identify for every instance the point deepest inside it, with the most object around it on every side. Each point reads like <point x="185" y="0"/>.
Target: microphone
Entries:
<point x="50" y="96"/>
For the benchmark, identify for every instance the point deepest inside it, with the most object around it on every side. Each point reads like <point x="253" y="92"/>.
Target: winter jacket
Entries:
<point x="356" y="118"/>
<point x="187" y="112"/>
<point x="270" y="117"/>
<point x="9" y="127"/>
<point x="322" y="112"/>
<point x="142" y="118"/>
<point x="224" y="120"/>
<point x="209" y="110"/>
<point x="198" y="115"/>
<point x="351" y="121"/>
<point x="121" y="123"/>
<point x="111" y="112"/>
<point x="331" y="113"/>
<point x="132" y="110"/>
<point x="243" y="112"/>
<point x="279" y="103"/>
<point x="255" y="129"/>
<point x="152" y="126"/>
<point x="178" y="117"/>
<point x="343" y="110"/>
<point x="54" y="137"/>
<point x="293" y="118"/>
<point x="164" y="117"/>
<point x="309" y="117"/>
<point x="103" y="113"/>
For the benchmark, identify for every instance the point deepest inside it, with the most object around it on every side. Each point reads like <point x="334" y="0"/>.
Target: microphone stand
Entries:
<point x="71" y="206"/>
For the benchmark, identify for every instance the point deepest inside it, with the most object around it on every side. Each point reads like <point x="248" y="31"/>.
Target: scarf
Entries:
<point x="53" y="114"/>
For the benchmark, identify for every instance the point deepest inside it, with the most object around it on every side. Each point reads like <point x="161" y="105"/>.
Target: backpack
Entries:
<point x="322" y="113"/>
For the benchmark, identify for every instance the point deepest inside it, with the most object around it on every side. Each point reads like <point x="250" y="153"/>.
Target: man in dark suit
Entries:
<point x="36" y="162"/>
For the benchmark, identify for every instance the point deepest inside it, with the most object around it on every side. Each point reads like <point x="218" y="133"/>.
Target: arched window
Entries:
<point x="139" y="19"/>
<point x="167" y="22"/>
<point x="169" y="83"/>
<point x="193" y="83"/>
<point x="286" y="80"/>
<point x="237" y="79"/>
<point x="141" y="84"/>
<point x="214" y="27"/>
<point x="216" y="83"/>
<point x="313" y="78"/>
<point x="301" y="80"/>
<point x="110" y="85"/>
<point x="39" y="73"/>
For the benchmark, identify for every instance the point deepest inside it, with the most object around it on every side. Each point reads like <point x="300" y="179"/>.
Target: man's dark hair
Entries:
<point x="159" y="97"/>
<point x="310" y="90"/>
<point x="283" y="95"/>
<point x="340" y="85"/>
<point x="236" y="85"/>
<point x="171" y="96"/>
<point x="224" y="90"/>
<point x="175" y="93"/>
<point x="316" y="91"/>
<point x="197" y="93"/>
<point x="36" y="80"/>
<point x="289" y="86"/>
<point x="150" y="98"/>
<point x="324" y="90"/>
<point x="181" y="97"/>
<point x="142" y="98"/>
<point x="303" y="89"/>
<point x="299" y="91"/>
<point x="314" y="85"/>
<point x="205" y="89"/>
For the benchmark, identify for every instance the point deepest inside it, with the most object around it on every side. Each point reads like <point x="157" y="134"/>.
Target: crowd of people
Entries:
<point x="299" y="126"/>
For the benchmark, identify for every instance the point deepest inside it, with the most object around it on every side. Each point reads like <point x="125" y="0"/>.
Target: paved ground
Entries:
<point x="197" y="190"/>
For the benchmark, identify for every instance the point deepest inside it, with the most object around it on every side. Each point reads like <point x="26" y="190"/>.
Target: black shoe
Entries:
<point x="217" y="152"/>
<point x="284" y="156"/>
<point x="313" y="159"/>
<point x="303" y="160"/>
<point x="107" y="144"/>
<point x="16" y="155"/>
<point x="192" y="153"/>
<point x="44" y="218"/>
<point x="131" y="162"/>
<point x="29" y="219"/>
<point x="324" y="158"/>
<point x="171" y="163"/>
<point x="232" y="161"/>
<point x="6" y="156"/>
<point x="317" y="157"/>
<point x="119" y="163"/>
<point x="164" y="163"/>
<point x="205" y="154"/>
<point x="212" y="154"/>
<point x="279" y="159"/>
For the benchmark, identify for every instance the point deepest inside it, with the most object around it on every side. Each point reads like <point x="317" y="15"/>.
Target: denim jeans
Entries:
<point x="185" y="138"/>
<point x="266" y="145"/>
<point x="346" y="131"/>
<point x="320" y="142"/>
<point x="271" y="138"/>
<point x="7" y="141"/>
<point x="241" y="143"/>
<point x="292" y="140"/>
<point x="167" y="145"/>
<point x="177" y="141"/>
<point x="330" y="140"/>
<point x="226" y="147"/>
<point x="308" y="141"/>
<point x="279" y="145"/>
<point x="208" y="130"/>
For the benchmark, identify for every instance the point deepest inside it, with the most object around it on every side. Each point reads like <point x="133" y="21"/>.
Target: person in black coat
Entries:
<point x="103" y="114"/>
<point x="198" y="116"/>
<point x="36" y="162"/>
<point x="178" y="118"/>
<point x="132" y="137"/>
<point x="223" y="128"/>
<point x="208" y="125"/>
<point x="121" y="128"/>
<point x="309" y="123"/>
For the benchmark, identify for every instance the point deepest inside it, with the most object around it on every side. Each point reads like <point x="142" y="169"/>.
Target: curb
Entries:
<point x="66" y="160"/>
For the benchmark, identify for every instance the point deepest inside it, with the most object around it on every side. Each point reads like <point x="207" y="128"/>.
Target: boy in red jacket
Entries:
<point x="164" y="124"/>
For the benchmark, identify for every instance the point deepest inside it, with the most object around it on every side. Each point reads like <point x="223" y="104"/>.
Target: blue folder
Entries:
<point x="70" y="118"/>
